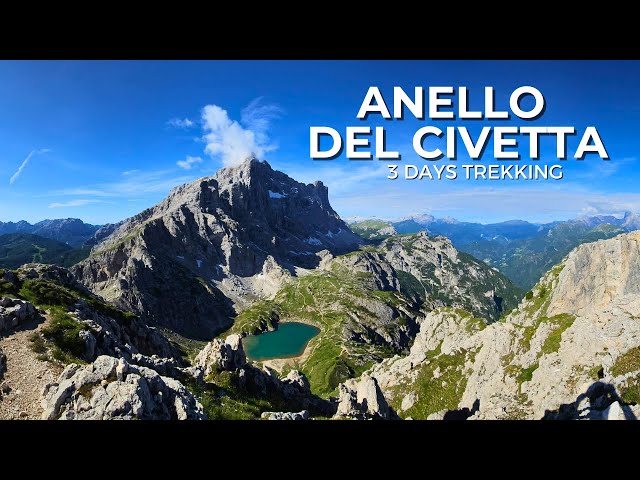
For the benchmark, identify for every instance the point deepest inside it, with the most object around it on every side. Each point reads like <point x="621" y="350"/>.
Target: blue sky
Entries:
<point x="104" y="140"/>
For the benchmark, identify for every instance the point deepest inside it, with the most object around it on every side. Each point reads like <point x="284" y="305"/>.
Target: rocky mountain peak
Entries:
<point x="631" y="221"/>
<point x="233" y="237"/>
<point x="254" y="181"/>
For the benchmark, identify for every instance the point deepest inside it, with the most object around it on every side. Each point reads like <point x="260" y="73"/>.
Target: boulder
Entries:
<point x="303" y="415"/>
<point x="347" y="403"/>
<point x="362" y="399"/>
<point x="295" y="385"/>
<point x="14" y="312"/>
<point x="4" y="388"/>
<point x="112" y="388"/>
<point x="437" y="415"/>
<point x="221" y="355"/>
<point x="164" y="366"/>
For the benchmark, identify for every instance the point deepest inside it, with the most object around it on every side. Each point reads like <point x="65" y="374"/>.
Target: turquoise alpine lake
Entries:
<point x="289" y="340"/>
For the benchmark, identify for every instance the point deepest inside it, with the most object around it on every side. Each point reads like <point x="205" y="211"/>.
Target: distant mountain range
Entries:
<point x="71" y="231"/>
<point x="521" y="250"/>
<point x="16" y="249"/>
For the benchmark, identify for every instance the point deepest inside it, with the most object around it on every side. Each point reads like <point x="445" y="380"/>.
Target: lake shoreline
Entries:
<point x="280" y="363"/>
<point x="289" y="341"/>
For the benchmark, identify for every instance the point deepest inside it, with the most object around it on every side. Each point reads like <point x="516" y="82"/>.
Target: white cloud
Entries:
<point x="25" y="162"/>
<point x="181" y="123"/>
<point x="233" y="141"/>
<point x="74" y="203"/>
<point x="188" y="162"/>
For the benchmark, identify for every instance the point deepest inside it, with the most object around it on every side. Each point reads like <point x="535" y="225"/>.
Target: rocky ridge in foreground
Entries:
<point x="131" y="370"/>
<point x="119" y="368"/>
<point x="570" y="350"/>
<point x="111" y="388"/>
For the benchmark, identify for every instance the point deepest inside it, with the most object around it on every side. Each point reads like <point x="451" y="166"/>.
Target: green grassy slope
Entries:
<point x="344" y="306"/>
<point x="370" y="229"/>
<point x="16" y="249"/>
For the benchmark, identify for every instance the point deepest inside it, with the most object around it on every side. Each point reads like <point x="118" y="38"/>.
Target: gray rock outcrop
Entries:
<point x="164" y="366"/>
<point x="449" y="277"/>
<point x="14" y="312"/>
<point x="362" y="399"/>
<point x="52" y="273"/>
<point x="103" y="232"/>
<point x="383" y="275"/>
<point x="221" y="355"/>
<point x="111" y="388"/>
<point x="303" y="415"/>
<point x="119" y="337"/>
<point x="295" y="385"/>
<point x="104" y="330"/>
<point x="228" y="356"/>
<point x="211" y="238"/>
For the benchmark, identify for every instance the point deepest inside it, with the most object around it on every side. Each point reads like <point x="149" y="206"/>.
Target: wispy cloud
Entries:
<point x="339" y="178"/>
<point x="80" y="202"/>
<point x="25" y="162"/>
<point x="133" y="185"/>
<point x="188" y="162"/>
<point x="233" y="141"/>
<point x="126" y="173"/>
<point x="605" y="169"/>
<point x="257" y="117"/>
<point x="181" y="123"/>
<point x="485" y="204"/>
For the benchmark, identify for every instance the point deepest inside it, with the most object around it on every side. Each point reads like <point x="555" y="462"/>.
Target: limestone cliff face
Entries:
<point x="597" y="275"/>
<point x="433" y="273"/>
<point x="570" y="350"/>
<point x="220" y="240"/>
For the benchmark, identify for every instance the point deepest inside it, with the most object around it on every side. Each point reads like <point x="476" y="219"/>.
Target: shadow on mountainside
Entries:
<point x="31" y="324"/>
<point x="591" y="405"/>
<point x="247" y="393"/>
<point x="463" y="413"/>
